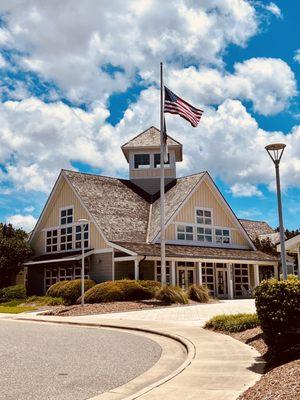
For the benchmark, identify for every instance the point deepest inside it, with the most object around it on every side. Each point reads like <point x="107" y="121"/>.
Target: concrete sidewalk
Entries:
<point x="221" y="368"/>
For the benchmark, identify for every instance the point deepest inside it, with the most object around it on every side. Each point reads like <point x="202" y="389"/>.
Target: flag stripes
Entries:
<point x="176" y="105"/>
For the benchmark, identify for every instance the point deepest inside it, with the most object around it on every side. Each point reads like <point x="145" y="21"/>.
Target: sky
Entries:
<point x="79" y="79"/>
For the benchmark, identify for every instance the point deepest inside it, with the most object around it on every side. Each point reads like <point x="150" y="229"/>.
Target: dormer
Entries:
<point x="143" y="155"/>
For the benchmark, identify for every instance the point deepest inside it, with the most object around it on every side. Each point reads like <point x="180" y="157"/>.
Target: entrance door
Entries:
<point x="222" y="288"/>
<point x="185" y="276"/>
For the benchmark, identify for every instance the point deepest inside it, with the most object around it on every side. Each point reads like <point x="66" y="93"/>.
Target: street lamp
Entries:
<point x="275" y="151"/>
<point x="83" y="223"/>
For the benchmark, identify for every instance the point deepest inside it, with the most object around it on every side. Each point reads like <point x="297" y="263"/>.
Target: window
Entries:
<point x="51" y="241"/>
<point x="208" y="275"/>
<point x="66" y="273"/>
<point x="168" y="272"/>
<point x="157" y="160"/>
<point x="185" y="232"/>
<point x="66" y="216"/>
<point x="142" y="161"/>
<point x="204" y="234"/>
<point x="66" y="238"/>
<point x="203" y="217"/>
<point x="78" y="236"/>
<point x="241" y="280"/>
<point x="222" y="235"/>
<point x="51" y="277"/>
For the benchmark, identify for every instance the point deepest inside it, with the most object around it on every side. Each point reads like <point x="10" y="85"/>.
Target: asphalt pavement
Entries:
<point x="60" y="362"/>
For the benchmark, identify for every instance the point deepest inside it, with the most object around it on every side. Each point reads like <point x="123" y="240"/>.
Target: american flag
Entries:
<point x="176" y="105"/>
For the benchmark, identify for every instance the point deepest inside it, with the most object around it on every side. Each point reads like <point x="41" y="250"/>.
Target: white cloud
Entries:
<point x="3" y="63"/>
<point x="245" y="190"/>
<point x="26" y="222"/>
<point x="134" y="35"/>
<point x="29" y="209"/>
<point x="297" y="56"/>
<point x="268" y="83"/>
<point x="274" y="9"/>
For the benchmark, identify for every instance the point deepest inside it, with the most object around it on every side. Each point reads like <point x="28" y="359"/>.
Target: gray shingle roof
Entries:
<point x="182" y="251"/>
<point x="256" y="228"/>
<point x="118" y="206"/>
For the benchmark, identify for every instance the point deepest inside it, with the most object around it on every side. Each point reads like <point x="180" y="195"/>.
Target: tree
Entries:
<point x="289" y="234"/>
<point x="266" y="246"/>
<point x="14" y="250"/>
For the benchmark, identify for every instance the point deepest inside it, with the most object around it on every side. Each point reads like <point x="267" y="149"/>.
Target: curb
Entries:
<point x="186" y="343"/>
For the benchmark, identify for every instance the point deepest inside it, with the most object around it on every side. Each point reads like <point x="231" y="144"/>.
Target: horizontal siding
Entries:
<point x="151" y="173"/>
<point x="64" y="197"/>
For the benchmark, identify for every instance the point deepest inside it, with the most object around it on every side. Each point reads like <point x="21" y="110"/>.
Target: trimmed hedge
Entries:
<point x="12" y="293"/>
<point x="278" y="308"/>
<point x="121" y="290"/>
<point x="199" y="293"/>
<point x="69" y="291"/>
<point x="172" y="294"/>
<point x="233" y="322"/>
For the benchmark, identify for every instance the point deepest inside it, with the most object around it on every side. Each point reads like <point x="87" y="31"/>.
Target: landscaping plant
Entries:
<point x="233" y="322"/>
<point x="278" y="308"/>
<point x="69" y="291"/>
<point x="12" y="293"/>
<point x="150" y="285"/>
<point x="172" y="294"/>
<point x="199" y="293"/>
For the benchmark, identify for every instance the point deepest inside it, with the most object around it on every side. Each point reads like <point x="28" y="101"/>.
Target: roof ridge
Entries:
<point x="253" y="220"/>
<point x="139" y="134"/>
<point x="98" y="175"/>
<point x="196" y="173"/>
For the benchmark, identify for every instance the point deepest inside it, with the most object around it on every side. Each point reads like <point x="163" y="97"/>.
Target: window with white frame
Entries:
<point x="204" y="234"/>
<point x="142" y="161"/>
<point x="78" y="237"/>
<point x="203" y="216"/>
<point x="51" y="277"/>
<point x="185" y="232"/>
<point x="57" y="274"/>
<point x="157" y="161"/>
<point x="222" y="235"/>
<point x="66" y="216"/>
<point x="241" y="280"/>
<point x="51" y="241"/>
<point x="158" y="272"/>
<point x="66" y="238"/>
<point x="207" y="269"/>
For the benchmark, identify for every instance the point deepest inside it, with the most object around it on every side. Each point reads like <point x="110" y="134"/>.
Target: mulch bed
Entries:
<point x="280" y="382"/>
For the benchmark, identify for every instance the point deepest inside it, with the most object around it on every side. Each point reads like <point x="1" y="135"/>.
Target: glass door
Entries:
<point x="222" y="289"/>
<point x="185" y="276"/>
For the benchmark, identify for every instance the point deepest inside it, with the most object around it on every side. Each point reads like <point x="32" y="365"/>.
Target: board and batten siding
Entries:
<point x="101" y="267"/>
<point x="204" y="197"/>
<point x="64" y="197"/>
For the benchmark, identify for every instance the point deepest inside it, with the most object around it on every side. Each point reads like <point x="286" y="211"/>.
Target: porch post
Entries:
<point x="276" y="271"/>
<point x="256" y="275"/>
<point x="163" y="273"/>
<point x="136" y="269"/>
<point x="199" y="272"/>
<point x="173" y="273"/>
<point x="230" y="281"/>
<point x="113" y="266"/>
<point x="298" y="254"/>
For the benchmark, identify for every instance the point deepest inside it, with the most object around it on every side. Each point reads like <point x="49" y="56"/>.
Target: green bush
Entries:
<point x="150" y="285"/>
<point x="233" y="322"/>
<point x="12" y="293"/>
<point x="122" y="290"/>
<point x="199" y="293"/>
<point x="278" y="308"/>
<point x="69" y="291"/>
<point x="44" y="300"/>
<point x="172" y="294"/>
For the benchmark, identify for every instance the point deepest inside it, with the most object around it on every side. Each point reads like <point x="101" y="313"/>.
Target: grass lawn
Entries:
<point x="15" y="309"/>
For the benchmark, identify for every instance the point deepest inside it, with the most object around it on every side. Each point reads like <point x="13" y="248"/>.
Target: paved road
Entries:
<point x="56" y="362"/>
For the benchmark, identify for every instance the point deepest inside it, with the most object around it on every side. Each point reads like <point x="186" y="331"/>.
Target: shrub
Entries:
<point x="12" y="293"/>
<point x="199" y="293"/>
<point x="150" y="285"/>
<point x="122" y="290"/>
<point x="172" y="294"/>
<point x="278" y="308"/>
<point x="233" y="322"/>
<point x="44" y="300"/>
<point x="69" y="290"/>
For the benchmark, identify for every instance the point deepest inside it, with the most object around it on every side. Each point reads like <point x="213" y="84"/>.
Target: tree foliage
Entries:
<point x="14" y="250"/>
<point x="266" y="246"/>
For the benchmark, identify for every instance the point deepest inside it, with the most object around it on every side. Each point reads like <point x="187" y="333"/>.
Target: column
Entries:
<point x="230" y="281"/>
<point x="276" y="272"/>
<point x="256" y="275"/>
<point x="298" y="254"/>
<point x="136" y="269"/>
<point x="199" y="272"/>
<point x="163" y="274"/>
<point x="113" y="266"/>
<point x="173" y="273"/>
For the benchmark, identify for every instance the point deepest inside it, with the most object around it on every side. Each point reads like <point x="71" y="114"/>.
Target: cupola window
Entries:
<point x="142" y="161"/>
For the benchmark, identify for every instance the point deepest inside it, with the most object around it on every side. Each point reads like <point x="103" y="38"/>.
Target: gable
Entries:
<point x="62" y="196"/>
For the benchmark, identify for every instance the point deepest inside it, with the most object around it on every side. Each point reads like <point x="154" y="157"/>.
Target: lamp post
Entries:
<point x="275" y="151"/>
<point x="83" y="223"/>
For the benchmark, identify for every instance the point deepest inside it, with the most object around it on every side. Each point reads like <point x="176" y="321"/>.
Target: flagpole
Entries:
<point x="162" y="182"/>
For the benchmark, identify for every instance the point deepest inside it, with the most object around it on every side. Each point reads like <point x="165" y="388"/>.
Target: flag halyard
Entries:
<point x="173" y="104"/>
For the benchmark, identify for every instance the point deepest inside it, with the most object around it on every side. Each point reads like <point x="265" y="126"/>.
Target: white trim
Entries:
<point x="199" y="272"/>
<point x="128" y="258"/>
<point x="256" y="274"/>
<point x="229" y="269"/>
<point x="116" y="246"/>
<point x="136" y="269"/>
<point x="207" y="244"/>
<point x="148" y="226"/>
<point x="212" y="260"/>
<point x="52" y="261"/>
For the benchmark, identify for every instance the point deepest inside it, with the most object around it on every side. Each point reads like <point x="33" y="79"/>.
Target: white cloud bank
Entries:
<point x="25" y="222"/>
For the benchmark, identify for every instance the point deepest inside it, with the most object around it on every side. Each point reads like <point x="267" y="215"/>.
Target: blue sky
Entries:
<point x="72" y="93"/>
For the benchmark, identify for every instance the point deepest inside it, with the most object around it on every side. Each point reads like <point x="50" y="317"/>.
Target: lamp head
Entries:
<point x="275" y="151"/>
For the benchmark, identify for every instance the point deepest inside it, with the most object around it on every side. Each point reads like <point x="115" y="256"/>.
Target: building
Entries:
<point x="205" y="241"/>
<point x="292" y="246"/>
